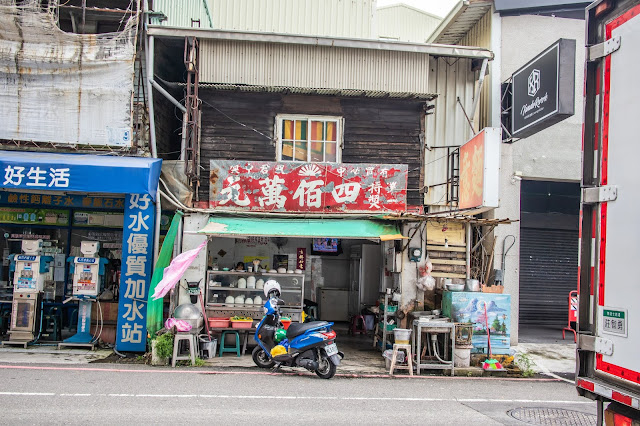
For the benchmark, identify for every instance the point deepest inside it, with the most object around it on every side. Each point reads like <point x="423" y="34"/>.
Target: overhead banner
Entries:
<point x="543" y="91"/>
<point x="307" y="187"/>
<point x="480" y="171"/>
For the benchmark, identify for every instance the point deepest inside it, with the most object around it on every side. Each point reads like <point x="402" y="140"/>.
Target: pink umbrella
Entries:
<point x="175" y="270"/>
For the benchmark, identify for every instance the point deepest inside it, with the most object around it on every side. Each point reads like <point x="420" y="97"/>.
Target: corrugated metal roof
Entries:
<point x="311" y="91"/>
<point x="183" y="13"/>
<point x="459" y="21"/>
<point x="405" y="23"/>
<point x="313" y="67"/>
<point x="336" y="18"/>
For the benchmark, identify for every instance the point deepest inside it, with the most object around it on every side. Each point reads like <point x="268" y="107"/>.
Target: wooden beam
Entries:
<point x="447" y="275"/>
<point x="448" y="261"/>
<point x="443" y="248"/>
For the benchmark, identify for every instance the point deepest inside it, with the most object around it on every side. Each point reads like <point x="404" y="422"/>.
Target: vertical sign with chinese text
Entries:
<point x="301" y="258"/>
<point x="137" y="259"/>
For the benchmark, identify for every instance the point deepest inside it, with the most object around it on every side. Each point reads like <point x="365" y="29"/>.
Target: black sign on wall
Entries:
<point x="543" y="91"/>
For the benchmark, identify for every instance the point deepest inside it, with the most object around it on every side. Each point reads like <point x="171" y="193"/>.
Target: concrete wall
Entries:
<point x="552" y="154"/>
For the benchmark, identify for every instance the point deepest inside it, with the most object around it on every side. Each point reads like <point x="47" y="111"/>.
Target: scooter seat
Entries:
<point x="296" y="328"/>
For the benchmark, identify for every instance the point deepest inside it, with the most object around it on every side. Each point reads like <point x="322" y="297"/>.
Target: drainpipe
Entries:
<point x="468" y="226"/>
<point x="149" y="45"/>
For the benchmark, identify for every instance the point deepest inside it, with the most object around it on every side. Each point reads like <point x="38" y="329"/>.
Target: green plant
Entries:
<point x="164" y="345"/>
<point x="199" y="362"/>
<point x="525" y="364"/>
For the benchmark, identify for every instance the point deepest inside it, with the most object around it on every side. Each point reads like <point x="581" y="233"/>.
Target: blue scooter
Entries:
<point x="309" y="345"/>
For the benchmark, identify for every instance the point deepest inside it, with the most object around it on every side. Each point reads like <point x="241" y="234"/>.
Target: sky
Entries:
<point x="436" y="7"/>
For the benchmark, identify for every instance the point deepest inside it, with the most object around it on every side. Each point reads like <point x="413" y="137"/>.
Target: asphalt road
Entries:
<point x="114" y="394"/>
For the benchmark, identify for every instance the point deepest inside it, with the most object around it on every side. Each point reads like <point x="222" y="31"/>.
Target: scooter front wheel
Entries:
<point x="261" y="358"/>
<point x="326" y="368"/>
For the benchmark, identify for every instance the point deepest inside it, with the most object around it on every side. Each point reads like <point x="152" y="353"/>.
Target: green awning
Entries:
<point x="309" y="228"/>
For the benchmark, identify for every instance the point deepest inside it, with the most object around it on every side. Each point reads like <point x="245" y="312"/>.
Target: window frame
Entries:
<point x="339" y="134"/>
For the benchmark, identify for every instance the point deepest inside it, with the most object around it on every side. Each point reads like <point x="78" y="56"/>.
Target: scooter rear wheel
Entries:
<point x="261" y="358"/>
<point x="326" y="368"/>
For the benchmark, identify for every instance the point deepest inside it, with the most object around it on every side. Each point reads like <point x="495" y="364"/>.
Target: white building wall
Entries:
<point x="553" y="154"/>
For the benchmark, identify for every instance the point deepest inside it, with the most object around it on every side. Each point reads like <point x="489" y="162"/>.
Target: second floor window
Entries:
<point x="314" y="139"/>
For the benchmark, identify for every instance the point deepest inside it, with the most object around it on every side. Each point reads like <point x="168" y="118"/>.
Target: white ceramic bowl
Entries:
<point x="257" y="300"/>
<point x="229" y="301"/>
<point x="248" y="301"/>
<point x="242" y="283"/>
<point x="260" y="284"/>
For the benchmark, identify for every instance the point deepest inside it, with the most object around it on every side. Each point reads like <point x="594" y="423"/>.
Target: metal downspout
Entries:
<point x="468" y="250"/>
<point x="149" y="46"/>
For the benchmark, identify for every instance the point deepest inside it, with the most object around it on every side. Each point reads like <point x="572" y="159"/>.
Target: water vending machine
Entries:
<point x="30" y="269"/>
<point x="88" y="273"/>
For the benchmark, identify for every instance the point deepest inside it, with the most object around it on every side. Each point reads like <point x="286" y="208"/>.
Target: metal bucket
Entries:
<point x="472" y="285"/>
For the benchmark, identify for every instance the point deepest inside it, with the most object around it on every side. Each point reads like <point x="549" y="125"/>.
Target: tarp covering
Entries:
<point x="312" y="228"/>
<point x="61" y="87"/>
<point x="154" y="306"/>
<point x="79" y="172"/>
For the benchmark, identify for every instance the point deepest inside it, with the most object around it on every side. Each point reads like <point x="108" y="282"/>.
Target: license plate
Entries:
<point x="331" y="349"/>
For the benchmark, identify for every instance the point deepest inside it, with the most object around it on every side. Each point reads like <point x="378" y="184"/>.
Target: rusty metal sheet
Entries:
<point x="307" y="187"/>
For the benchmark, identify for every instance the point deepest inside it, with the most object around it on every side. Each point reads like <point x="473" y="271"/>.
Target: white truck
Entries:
<point x="608" y="349"/>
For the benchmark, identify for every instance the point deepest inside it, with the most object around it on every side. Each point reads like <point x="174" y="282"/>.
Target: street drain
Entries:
<point x="552" y="416"/>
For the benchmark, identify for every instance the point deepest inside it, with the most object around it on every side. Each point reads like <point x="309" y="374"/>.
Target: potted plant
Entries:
<point x="162" y="349"/>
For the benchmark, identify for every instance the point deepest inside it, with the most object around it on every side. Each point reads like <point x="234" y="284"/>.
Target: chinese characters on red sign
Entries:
<point x="307" y="187"/>
<point x="301" y="258"/>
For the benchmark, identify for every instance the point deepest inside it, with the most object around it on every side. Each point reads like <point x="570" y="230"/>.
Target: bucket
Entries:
<point x="401" y="335"/>
<point x="207" y="346"/>
<point x="462" y="356"/>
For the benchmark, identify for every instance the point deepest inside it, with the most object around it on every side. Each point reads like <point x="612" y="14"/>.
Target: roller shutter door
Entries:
<point x="548" y="272"/>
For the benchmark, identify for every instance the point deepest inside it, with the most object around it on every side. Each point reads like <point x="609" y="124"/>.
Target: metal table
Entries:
<point x="430" y="327"/>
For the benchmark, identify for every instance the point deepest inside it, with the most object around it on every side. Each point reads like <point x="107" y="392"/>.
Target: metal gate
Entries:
<point x="548" y="272"/>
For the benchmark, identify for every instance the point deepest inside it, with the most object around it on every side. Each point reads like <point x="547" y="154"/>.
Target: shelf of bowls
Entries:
<point x="241" y="292"/>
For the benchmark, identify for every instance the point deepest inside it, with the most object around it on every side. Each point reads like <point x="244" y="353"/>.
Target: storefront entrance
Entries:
<point x="64" y="205"/>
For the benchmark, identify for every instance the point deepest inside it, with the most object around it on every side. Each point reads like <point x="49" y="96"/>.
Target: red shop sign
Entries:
<point x="307" y="187"/>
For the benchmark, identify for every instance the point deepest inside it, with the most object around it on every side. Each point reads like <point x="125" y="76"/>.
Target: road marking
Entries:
<point x="280" y="373"/>
<point x="75" y="394"/>
<point x="27" y="393"/>
<point x="310" y="398"/>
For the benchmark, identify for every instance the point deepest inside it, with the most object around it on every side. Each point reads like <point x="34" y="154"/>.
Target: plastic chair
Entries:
<point x="177" y="355"/>
<point x="356" y="320"/>
<point x="224" y="348"/>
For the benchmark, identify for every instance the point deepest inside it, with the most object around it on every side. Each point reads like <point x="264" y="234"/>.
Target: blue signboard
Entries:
<point x="79" y="172"/>
<point x="137" y="259"/>
<point x="67" y="200"/>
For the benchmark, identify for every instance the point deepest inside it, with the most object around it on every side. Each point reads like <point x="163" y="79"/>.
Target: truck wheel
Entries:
<point x="261" y="359"/>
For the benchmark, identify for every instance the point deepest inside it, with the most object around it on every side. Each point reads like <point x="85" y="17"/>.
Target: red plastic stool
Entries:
<point x="355" y="325"/>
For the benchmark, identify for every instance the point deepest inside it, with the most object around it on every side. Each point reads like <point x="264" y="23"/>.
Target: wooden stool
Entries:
<point x="409" y="366"/>
<point x="191" y="341"/>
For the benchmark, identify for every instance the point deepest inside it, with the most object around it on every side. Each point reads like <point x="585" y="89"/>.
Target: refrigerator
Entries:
<point x="468" y="307"/>
<point x="365" y="276"/>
